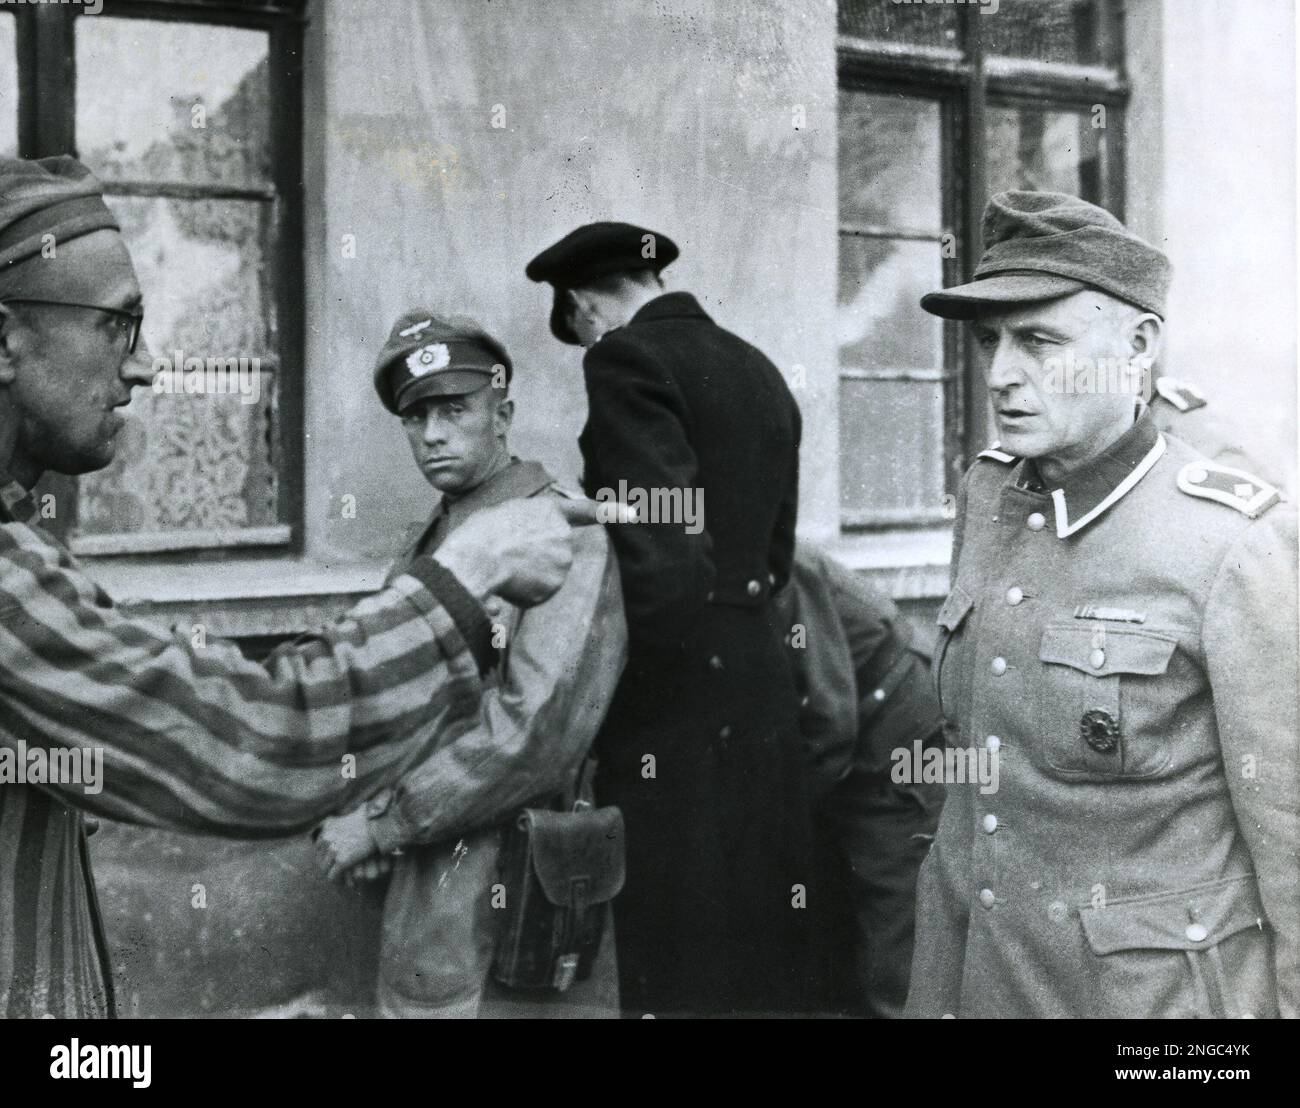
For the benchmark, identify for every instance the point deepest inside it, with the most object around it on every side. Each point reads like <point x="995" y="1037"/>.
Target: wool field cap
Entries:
<point x="433" y="355"/>
<point x="1044" y="245"/>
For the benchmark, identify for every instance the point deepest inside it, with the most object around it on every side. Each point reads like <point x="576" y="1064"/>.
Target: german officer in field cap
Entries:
<point x="717" y="833"/>
<point x="1121" y="636"/>
<point x="428" y="355"/>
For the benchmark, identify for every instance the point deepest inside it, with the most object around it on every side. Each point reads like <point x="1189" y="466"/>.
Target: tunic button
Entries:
<point x="987" y="898"/>
<point x="753" y="588"/>
<point x="1097" y="659"/>
<point x="1058" y="911"/>
<point x="990" y="823"/>
<point x="1197" y="475"/>
<point x="1014" y="596"/>
<point x="992" y="744"/>
<point x="879" y="694"/>
<point x="999" y="666"/>
<point x="725" y="733"/>
<point x="1196" y="932"/>
<point x="1036" y="521"/>
<point x="715" y="662"/>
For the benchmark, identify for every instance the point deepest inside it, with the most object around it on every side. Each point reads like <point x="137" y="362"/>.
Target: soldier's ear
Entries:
<point x="1146" y="332"/>
<point x="504" y="415"/>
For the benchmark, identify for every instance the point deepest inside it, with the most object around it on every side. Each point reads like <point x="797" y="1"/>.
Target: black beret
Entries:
<point x="593" y="251"/>
<point x="431" y="355"/>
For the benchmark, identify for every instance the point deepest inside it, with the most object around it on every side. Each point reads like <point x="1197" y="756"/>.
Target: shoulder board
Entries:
<point x="1233" y="487"/>
<point x="1182" y="395"/>
<point x="996" y="455"/>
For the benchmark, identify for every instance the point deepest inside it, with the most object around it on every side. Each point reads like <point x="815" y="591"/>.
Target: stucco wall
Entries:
<point x="1211" y="173"/>
<point x="678" y="115"/>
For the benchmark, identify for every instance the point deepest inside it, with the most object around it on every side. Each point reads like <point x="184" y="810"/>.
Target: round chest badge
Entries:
<point x="1100" y="730"/>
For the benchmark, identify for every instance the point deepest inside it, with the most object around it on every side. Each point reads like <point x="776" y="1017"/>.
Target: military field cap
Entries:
<point x="436" y="355"/>
<point x="593" y="251"/>
<point x="1043" y="245"/>
<point x="48" y="196"/>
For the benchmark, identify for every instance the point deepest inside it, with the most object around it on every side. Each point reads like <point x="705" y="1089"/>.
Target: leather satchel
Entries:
<point x="560" y="869"/>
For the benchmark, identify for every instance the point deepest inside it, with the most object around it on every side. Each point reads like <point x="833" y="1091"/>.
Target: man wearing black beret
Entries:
<point x="700" y="748"/>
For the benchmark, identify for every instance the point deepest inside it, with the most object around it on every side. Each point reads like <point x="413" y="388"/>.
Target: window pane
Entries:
<point x="1046" y="151"/>
<point x="8" y="87"/>
<point x="172" y="101"/>
<point x="889" y="161"/>
<point x="187" y="463"/>
<point x="202" y="268"/>
<point x="891" y="460"/>
<point x="880" y="324"/>
<point x="1045" y="30"/>
<point x="195" y="461"/>
<point x="914" y="24"/>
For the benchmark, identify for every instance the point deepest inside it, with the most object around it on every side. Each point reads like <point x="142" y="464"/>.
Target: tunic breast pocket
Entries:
<point x="1094" y="683"/>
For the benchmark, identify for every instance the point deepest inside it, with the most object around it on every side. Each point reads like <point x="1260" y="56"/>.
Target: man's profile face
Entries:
<point x="458" y="441"/>
<point x="69" y="369"/>
<point x="1021" y="352"/>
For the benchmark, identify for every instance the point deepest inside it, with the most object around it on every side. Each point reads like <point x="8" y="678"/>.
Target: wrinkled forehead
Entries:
<point x="92" y="269"/>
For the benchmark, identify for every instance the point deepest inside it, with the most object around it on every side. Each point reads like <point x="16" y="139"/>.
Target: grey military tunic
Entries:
<point x="1127" y="645"/>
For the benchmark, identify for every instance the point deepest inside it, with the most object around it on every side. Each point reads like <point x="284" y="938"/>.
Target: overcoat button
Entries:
<point x="990" y="823"/>
<point x="1197" y="475"/>
<point x="1097" y="659"/>
<point x="1058" y="911"/>
<point x="999" y="666"/>
<point x="1197" y="932"/>
<point x="725" y="733"/>
<point x="1036" y="521"/>
<point x="1014" y="596"/>
<point x="992" y="744"/>
<point x="715" y="662"/>
<point x="753" y="588"/>
<point x="987" y="899"/>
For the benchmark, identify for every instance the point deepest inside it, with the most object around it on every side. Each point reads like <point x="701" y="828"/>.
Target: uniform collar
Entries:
<point x="1089" y="490"/>
<point x="516" y="482"/>
<point x="672" y="305"/>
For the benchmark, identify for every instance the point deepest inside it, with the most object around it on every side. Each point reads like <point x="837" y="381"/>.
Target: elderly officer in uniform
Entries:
<point x="1121" y="632"/>
<point x="865" y="694"/>
<point x="700" y="748"/>
<point x="448" y="380"/>
<point x="192" y="738"/>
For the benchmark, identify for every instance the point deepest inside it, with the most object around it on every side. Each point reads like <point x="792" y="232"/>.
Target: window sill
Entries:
<point x="239" y="597"/>
<point x="904" y="564"/>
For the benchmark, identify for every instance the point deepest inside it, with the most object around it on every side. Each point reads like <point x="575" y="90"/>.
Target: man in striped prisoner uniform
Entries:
<point x="196" y="739"/>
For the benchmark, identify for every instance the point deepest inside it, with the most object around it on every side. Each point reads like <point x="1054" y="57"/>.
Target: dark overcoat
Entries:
<point x="700" y="748"/>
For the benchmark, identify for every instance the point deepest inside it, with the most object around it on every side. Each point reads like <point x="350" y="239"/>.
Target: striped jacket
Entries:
<point x="192" y="738"/>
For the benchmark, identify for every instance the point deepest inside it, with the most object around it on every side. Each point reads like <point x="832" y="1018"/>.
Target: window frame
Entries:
<point x="47" y="90"/>
<point x="966" y="82"/>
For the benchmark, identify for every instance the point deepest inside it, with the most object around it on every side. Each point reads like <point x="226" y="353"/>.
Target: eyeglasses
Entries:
<point x="130" y="321"/>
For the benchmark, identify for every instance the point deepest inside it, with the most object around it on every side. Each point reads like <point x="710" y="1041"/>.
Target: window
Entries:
<point x="190" y="113"/>
<point x="940" y="107"/>
<point x="8" y="87"/>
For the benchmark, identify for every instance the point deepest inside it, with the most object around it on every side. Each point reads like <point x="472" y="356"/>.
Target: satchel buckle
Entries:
<point x="566" y="969"/>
